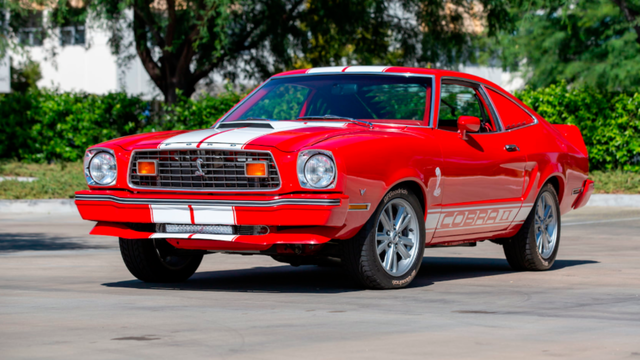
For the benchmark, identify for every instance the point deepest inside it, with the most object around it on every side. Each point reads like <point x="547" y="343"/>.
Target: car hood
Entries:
<point x="285" y="135"/>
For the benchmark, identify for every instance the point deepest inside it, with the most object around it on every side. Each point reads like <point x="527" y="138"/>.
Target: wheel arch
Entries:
<point x="558" y="185"/>
<point x="415" y="187"/>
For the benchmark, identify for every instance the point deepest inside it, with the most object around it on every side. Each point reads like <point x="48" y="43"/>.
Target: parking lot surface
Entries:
<point x="65" y="294"/>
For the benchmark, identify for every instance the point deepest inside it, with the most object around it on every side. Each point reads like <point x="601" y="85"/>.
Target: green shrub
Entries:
<point x="609" y="121"/>
<point x="43" y="125"/>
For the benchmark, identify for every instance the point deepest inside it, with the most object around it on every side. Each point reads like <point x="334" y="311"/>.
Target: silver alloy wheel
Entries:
<point x="397" y="235"/>
<point x="546" y="225"/>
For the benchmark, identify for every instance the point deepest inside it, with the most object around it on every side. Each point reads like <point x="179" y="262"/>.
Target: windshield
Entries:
<point x="363" y="97"/>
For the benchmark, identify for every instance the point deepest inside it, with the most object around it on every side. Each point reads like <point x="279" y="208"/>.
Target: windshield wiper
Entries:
<point x="336" y="117"/>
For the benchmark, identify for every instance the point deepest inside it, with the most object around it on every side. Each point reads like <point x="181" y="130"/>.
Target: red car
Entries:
<point x="362" y="165"/>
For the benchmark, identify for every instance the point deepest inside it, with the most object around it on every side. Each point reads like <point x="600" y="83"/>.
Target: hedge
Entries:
<point x="609" y="121"/>
<point x="45" y="126"/>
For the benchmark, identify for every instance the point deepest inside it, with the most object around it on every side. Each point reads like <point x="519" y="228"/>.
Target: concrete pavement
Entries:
<point x="64" y="294"/>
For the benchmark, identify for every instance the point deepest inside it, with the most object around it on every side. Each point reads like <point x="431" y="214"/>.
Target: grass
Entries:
<point x="61" y="181"/>
<point x="55" y="181"/>
<point x="616" y="182"/>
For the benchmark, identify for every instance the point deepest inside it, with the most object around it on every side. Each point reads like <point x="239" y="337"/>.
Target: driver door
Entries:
<point x="482" y="175"/>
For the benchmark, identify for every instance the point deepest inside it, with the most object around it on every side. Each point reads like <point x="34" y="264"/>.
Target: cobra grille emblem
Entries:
<point x="199" y="172"/>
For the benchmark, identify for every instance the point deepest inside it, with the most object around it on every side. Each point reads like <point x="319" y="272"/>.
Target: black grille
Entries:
<point x="223" y="170"/>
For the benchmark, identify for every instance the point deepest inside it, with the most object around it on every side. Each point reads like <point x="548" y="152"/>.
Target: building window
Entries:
<point x="32" y="32"/>
<point x="72" y="35"/>
<point x="72" y="22"/>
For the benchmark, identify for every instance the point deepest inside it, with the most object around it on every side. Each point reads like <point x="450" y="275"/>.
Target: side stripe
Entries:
<point x="523" y="213"/>
<point x="475" y="217"/>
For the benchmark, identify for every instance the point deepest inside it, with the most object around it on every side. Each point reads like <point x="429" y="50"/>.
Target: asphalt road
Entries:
<point x="64" y="294"/>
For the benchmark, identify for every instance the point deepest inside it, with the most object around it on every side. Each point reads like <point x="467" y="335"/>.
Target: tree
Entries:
<point x="180" y="42"/>
<point x="582" y="42"/>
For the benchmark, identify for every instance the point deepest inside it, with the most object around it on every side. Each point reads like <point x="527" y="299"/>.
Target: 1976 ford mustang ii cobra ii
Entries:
<point x="361" y="165"/>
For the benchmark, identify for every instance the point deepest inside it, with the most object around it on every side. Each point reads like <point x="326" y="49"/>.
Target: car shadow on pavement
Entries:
<point x="439" y="269"/>
<point x="14" y="242"/>
<point x="322" y="280"/>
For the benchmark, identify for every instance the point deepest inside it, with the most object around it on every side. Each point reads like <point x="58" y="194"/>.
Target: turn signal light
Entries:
<point x="358" y="206"/>
<point x="258" y="169"/>
<point x="147" y="168"/>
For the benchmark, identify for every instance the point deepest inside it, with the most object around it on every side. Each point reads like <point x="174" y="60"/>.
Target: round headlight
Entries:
<point x="102" y="168"/>
<point x="319" y="171"/>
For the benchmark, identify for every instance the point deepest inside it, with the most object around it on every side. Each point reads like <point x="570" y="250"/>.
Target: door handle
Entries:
<point x="511" y="148"/>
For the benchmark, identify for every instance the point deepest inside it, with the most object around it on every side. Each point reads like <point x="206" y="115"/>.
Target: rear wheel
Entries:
<point x="536" y="244"/>
<point x="155" y="260"/>
<point x="387" y="252"/>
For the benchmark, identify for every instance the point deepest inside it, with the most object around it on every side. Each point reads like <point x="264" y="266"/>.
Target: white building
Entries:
<point x="78" y="58"/>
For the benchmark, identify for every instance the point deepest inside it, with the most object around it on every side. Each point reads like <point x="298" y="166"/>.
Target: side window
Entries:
<point x="511" y="115"/>
<point x="457" y="100"/>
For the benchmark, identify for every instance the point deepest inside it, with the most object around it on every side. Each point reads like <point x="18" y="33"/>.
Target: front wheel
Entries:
<point x="155" y="260"/>
<point x="387" y="252"/>
<point x="536" y="244"/>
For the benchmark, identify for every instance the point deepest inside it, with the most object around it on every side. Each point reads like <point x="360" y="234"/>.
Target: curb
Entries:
<point x="48" y="206"/>
<point x="67" y="206"/>
<point x="616" y="200"/>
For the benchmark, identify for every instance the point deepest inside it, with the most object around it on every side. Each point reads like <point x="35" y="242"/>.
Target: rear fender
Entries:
<point x="573" y="135"/>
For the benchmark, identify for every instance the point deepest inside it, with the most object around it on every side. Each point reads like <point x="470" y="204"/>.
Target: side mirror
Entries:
<point x="467" y="124"/>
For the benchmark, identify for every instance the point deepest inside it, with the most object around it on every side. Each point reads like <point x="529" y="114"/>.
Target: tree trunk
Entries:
<point x="175" y="85"/>
<point x="170" y="94"/>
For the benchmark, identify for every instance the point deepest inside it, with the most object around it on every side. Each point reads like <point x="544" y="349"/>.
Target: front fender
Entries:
<point x="375" y="162"/>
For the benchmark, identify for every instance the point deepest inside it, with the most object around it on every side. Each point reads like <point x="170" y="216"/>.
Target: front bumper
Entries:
<point x="316" y="216"/>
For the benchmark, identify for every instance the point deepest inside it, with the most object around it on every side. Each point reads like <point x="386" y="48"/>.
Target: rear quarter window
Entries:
<point x="511" y="115"/>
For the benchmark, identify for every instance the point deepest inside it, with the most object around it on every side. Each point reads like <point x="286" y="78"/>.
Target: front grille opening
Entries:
<point x="204" y="170"/>
<point x="212" y="229"/>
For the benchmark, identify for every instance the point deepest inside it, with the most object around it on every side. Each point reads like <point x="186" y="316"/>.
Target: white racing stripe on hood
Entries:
<point x="190" y="137"/>
<point x="235" y="138"/>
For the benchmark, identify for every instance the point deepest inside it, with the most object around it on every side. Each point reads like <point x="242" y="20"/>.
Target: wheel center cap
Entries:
<point x="394" y="237"/>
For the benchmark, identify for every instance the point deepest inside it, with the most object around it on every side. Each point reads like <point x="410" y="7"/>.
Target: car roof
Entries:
<point x="388" y="69"/>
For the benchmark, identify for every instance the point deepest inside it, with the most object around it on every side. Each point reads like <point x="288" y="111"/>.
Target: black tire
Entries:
<point x="155" y="260"/>
<point x="360" y="257"/>
<point x="521" y="250"/>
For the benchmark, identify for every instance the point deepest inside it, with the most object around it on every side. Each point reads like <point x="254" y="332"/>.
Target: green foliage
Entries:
<point x="54" y="181"/>
<point x="281" y="103"/>
<point x="584" y="42"/>
<point x="25" y="76"/>
<point x="44" y="126"/>
<point x="188" y="114"/>
<point x="616" y="182"/>
<point x="609" y="121"/>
